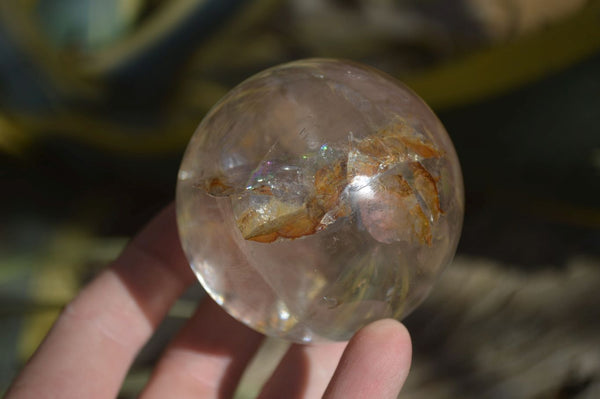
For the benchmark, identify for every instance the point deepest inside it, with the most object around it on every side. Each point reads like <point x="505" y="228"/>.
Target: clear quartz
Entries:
<point x="318" y="196"/>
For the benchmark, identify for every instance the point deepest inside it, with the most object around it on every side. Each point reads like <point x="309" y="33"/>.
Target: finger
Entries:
<point x="304" y="371"/>
<point x="92" y="344"/>
<point x="375" y="363"/>
<point x="206" y="359"/>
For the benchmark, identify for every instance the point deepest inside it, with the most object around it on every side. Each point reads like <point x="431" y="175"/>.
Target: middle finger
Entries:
<point x="206" y="359"/>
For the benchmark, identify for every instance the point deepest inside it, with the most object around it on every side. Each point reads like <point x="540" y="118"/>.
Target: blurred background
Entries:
<point x="99" y="98"/>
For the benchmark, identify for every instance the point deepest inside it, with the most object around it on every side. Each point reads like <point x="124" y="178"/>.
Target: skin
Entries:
<point x="93" y="343"/>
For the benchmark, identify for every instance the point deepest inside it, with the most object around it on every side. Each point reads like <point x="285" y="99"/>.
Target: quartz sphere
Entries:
<point x="318" y="196"/>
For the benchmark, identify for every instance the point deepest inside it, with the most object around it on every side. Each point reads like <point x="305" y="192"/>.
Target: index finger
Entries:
<point x="91" y="346"/>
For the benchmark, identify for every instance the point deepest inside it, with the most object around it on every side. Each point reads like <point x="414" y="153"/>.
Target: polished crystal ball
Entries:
<point x="318" y="196"/>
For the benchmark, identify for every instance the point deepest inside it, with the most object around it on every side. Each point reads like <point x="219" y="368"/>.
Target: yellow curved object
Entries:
<point x="504" y="67"/>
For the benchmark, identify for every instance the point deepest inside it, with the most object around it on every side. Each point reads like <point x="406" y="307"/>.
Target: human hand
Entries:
<point x="92" y="345"/>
